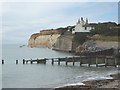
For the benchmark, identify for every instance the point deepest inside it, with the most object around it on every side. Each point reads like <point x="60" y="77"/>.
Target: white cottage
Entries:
<point x="82" y="26"/>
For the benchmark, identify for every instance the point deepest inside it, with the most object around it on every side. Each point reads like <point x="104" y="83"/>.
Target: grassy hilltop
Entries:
<point x="107" y="31"/>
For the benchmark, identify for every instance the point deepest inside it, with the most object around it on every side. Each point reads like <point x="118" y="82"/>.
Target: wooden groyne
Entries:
<point x="89" y="60"/>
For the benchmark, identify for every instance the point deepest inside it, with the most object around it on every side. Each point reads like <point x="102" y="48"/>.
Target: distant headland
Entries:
<point x="82" y="37"/>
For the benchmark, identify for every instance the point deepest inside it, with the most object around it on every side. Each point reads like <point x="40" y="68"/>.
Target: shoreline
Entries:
<point x="113" y="83"/>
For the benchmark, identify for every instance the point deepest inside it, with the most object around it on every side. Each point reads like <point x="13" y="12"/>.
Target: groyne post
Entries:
<point x="45" y="60"/>
<point x="80" y="61"/>
<point x="16" y="61"/>
<point x="52" y="61"/>
<point x="31" y="61"/>
<point x="96" y="62"/>
<point x="66" y="61"/>
<point x="73" y="61"/>
<point x="37" y="60"/>
<point x="2" y="61"/>
<point x="89" y="64"/>
<point x="89" y="61"/>
<point x="58" y="61"/>
<point x="23" y="61"/>
<point x="115" y="62"/>
<point x="106" y="61"/>
<point x="26" y="62"/>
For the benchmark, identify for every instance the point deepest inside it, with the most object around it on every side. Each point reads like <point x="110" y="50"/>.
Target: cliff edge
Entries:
<point x="46" y="38"/>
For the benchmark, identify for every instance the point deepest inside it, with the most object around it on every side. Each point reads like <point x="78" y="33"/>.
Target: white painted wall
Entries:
<point x="80" y="27"/>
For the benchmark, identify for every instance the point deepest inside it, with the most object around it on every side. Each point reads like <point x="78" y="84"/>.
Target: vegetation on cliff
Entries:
<point x="34" y="36"/>
<point x="106" y="29"/>
<point x="80" y="37"/>
<point x="63" y="30"/>
<point x="50" y="32"/>
<point x="105" y="38"/>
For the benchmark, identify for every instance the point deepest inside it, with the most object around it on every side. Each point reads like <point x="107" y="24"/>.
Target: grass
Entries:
<point x="106" y="38"/>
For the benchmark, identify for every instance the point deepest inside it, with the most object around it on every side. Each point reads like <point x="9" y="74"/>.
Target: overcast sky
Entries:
<point x="21" y="19"/>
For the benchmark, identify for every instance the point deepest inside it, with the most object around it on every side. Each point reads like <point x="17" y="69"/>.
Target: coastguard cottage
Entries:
<point x="82" y="26"/>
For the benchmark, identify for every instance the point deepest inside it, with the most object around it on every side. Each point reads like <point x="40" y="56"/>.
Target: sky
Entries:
<point x="21" y="19"/>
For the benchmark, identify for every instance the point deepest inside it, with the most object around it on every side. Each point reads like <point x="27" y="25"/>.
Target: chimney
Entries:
<point x="86" y="21"/>
<point x="81" y="18"/>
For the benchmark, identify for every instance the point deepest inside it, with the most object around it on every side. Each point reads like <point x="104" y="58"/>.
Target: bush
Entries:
<point x="80" y="37"/>
<point x="106" y="29"/>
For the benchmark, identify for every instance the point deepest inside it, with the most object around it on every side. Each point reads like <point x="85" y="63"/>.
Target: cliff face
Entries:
<point x="55" y="39"/>
<point x="44" y="40"/>
<point x="32" y="39"/>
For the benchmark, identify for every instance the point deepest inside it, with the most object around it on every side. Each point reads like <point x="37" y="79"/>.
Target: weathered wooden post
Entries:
<point x="96" y="62"/>
<point x="45" y="60"/>
<point x="16" y="61"/>
<point x="23" y="61"/>
<point x="2" y="61"/>
<point x="66" y="62"/>
<point x="37" y="60"/>
<point x="115" y="61"/>
<point x="52" y="61"/>
<point x="89" y="61"/>
<point x="31" y="61"/>
<point x="73" y="61"/>
<point x="80" y="61"/>
<point x="58" y="61"/>
<point x="106" y="61"/>
<point x="89" y="64"/>
<point x="26" y="62"/>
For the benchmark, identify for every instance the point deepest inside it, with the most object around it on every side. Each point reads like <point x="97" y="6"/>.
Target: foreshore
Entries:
<point x="105" y="84"/>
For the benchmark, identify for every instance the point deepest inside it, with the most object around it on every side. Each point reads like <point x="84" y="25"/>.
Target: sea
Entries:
<point x="45" y="75"/>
